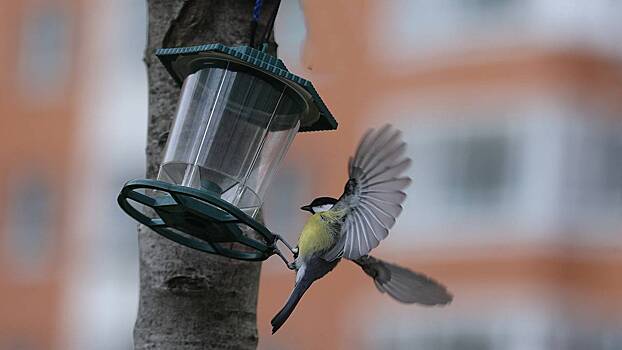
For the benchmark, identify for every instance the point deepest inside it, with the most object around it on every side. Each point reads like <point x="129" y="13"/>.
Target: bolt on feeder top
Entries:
<point x="238" y="113"/>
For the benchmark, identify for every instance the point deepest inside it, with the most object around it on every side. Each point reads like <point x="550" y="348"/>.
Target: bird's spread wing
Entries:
<point x="373" y="194"/>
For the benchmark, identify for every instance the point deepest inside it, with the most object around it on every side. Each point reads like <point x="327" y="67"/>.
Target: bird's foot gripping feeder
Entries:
<point x="238" y="113"/>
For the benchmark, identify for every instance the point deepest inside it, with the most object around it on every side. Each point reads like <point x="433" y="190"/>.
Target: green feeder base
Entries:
<point x="200" y="220"/>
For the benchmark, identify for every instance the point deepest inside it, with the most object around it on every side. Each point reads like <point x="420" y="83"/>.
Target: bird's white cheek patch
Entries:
<point x="321" y="208"/>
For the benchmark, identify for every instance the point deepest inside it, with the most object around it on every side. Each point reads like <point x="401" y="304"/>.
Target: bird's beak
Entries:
<point x="306" y="208"/>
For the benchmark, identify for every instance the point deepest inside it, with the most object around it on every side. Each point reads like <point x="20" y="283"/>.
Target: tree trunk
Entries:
<point x="189" y="299"/>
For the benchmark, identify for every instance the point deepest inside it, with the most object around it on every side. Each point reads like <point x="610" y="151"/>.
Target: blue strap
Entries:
<point x="257" y="10"/>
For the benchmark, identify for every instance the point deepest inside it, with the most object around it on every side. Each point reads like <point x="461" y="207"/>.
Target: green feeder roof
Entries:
<point x="183" y="61"/>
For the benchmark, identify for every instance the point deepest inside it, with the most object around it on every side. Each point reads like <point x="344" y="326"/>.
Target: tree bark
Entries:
<point x="189" y="299"/>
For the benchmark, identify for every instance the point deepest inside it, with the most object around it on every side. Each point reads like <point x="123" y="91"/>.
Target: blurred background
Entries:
<point x="513" y="115"/>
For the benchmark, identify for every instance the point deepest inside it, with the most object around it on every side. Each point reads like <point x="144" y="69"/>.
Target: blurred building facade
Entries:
<point x="511" y="110"/>
<point x="38" y="99"/>
<point x="72" y="129"/>
<point x="512" y="114"/>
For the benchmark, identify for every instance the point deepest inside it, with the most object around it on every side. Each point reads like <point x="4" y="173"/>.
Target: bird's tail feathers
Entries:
<point x="402" y="284"/>
<point x="282" y="316"/>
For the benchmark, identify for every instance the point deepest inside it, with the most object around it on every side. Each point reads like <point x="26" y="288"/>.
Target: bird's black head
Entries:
<point x="320" y="204"/>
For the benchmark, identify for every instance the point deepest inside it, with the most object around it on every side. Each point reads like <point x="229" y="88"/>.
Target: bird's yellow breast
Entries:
<point x="317" y="234"/>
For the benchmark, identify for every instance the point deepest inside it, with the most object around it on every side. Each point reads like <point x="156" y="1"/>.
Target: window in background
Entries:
<point x="459" y="341"/>
<point x="486" y="10"/>
<point x="470" y="327"/>
<point x="593" y="173"/>
<point x="422" y="29"/>
<point x="44" y="59"/>
<point x="29" y="230"/>
<point x="477" y="169"/>
<point x="418" y="27"/>
<point x="533" y="325"/>
<point x="542" y="171"/>
<point x="465" y="171"/>
<point x="603" y="179"/>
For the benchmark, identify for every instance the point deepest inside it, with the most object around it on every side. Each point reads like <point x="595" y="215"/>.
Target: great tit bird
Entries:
<point x="351" y="226"/>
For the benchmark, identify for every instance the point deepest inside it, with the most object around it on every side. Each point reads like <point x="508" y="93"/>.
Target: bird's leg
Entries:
<point x="293" y="250"/>
<point x="290" y="265"/>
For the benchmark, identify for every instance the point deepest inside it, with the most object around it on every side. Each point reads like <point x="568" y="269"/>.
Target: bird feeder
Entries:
<point x="238" y="113"/>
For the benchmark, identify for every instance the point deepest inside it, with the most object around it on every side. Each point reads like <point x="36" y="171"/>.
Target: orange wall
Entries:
<point x="34" y="136"/>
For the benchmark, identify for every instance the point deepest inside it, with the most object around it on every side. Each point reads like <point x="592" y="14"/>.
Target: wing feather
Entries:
<point x="374" y="227"/>
<point x="388" y="172"/>
<point x="386" y="196"/>
<point x="356" y="248"/>
<point x="374" y="194"/>
<point x="363" y="148"/>
<point x="363" y="242"/>
<point x="387" y="219"/>
<point x="362" y="237"/>
<point x="396" y="184"/>
<point x="377" y="227"/>
<point x="348" y="245"/>
<point x="382" y="148"/>
<point x="387" y="157"/>
<point x="370" y="150"/>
